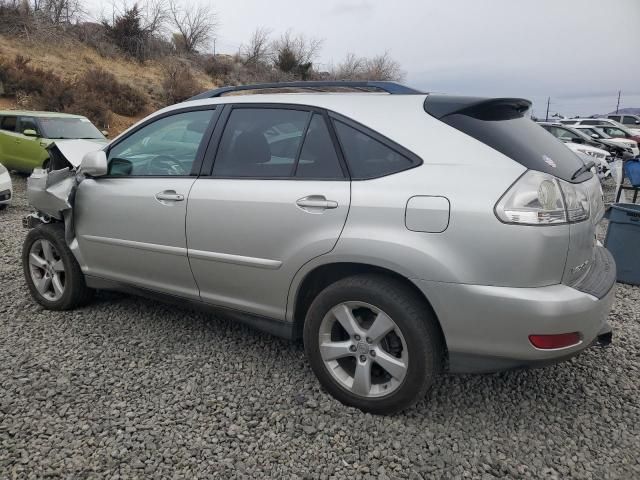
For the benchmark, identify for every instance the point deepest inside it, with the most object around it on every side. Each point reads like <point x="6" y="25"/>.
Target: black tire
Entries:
<point x="411" y="314"/>
<point x="75" y="293"/>
<point x="3" y="206"/>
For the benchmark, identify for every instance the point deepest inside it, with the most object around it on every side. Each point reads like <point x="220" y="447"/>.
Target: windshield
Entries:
<point x="71" y="127"/>
<point x="600" y="132"/>
<point x="581" y="133"/>
<point x="592" y="131"/>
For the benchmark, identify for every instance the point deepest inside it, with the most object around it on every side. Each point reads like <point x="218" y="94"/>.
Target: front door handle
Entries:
<point x="316" y="203"/>
<point x="169" y="196"/>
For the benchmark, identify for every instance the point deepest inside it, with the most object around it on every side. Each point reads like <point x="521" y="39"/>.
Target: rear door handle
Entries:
<point x="316" y="203"/>
<point x="169" y="196"/>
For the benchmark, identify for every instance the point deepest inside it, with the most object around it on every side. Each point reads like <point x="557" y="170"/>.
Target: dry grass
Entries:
<point x="70" y="60"/>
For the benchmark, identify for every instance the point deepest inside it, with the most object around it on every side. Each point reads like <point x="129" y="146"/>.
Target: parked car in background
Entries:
<point x="6" y="189"/>
<point x="568" y="133"/>
<point x="596" y="132"/>
<point x="598" y="121"/>
<point x="618" y="132"/>
<point x="628" y="120"/>
<point x="345" y="220"/>
<point x="588" y="153"/>
<point x="24" y="136"/>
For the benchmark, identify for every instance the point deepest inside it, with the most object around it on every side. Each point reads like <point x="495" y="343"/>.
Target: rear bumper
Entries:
<point x="487" y="328"/>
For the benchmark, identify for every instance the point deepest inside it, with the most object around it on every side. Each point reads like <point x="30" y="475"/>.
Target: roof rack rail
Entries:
<point x="389" y="87"/>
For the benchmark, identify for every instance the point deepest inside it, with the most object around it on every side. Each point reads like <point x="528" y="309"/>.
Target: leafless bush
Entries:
<point x="179" y="83"/>
<point x="120" y="97"/>
<point x="294" y="54"/>
<point x="94" y="108"/>
<point x="258" y="50"/>
<point x="218" y="66"/>
<point x="195" y="24"/>
<point x="381" y="67"/>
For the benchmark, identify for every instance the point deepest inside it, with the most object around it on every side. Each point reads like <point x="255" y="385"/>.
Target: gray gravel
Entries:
<point x="127" y="387"/>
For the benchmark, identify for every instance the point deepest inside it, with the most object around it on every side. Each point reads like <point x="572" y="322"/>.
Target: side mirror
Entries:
<point x="595" y="135"/>
<point x="29" y="132"/>
<point x="105" y="133"/>
<point x="94" y="164"/>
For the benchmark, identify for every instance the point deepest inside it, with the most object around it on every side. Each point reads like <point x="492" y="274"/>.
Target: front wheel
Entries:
<point x="373" y="343"/>
<point x="52" y="273"/>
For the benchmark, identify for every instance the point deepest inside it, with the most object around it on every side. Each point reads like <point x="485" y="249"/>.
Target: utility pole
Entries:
<point x="214" y="46"/>
<point x="546" y="119"/>
<point x="618" y="105"/>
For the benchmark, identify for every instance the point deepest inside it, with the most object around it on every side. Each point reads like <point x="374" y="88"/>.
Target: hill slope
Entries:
<point x="70" y="59"/>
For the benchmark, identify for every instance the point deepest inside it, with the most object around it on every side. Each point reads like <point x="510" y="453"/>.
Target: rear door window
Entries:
<point x="261" y="143"/>
<point x="318" y="158"/>
<point x="369" y="157"/>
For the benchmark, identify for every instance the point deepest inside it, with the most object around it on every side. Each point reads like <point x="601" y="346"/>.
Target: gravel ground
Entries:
<point x="127" y="387"/>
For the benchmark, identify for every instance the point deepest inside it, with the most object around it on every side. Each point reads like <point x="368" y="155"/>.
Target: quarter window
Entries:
<point x="9" y="124"/>
<point x="166" y="147"/>
<point x="368" y="157"/>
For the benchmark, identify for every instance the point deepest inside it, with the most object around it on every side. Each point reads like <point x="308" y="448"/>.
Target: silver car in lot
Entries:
<point x="399" y="234"/>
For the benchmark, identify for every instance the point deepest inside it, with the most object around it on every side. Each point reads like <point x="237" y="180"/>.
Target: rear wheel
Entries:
<point x="52" y="273"/>
<point x="373" y="343"/>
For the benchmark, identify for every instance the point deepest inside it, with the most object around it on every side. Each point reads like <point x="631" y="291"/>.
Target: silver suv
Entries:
<point x="399" y="234"/>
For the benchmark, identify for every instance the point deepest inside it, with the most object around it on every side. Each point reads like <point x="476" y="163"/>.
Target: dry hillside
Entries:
<point x="71" y="59"/>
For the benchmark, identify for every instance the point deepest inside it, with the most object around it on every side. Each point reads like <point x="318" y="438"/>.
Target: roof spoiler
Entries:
<point x="389" y="87"/>
<point x="441" y="106"/>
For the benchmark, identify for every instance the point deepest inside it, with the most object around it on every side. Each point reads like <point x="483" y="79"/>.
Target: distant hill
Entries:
<point x="630" y="111"/>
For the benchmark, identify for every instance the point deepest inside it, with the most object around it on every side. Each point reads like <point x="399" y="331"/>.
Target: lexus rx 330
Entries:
<point x="398" y="234"/>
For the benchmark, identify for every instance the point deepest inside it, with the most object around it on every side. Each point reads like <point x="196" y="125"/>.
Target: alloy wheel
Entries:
<point x="47" y="270"/>
<point x="363" y="349"/>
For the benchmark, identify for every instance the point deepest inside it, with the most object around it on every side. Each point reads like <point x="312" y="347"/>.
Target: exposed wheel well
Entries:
<point x="323" y="276"/>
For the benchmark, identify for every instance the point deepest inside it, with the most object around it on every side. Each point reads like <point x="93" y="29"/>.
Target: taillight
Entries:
<point x="560" y="340"/>
<point x="541" y="199"/>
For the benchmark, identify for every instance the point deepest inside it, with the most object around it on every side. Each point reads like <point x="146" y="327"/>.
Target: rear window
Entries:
<point x="522" y="140"/>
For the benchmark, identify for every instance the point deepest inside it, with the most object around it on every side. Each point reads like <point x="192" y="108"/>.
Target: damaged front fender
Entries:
<point x="51" y="191"/>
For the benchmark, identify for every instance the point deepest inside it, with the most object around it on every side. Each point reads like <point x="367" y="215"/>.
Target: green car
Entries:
<point x="25" y="135"/>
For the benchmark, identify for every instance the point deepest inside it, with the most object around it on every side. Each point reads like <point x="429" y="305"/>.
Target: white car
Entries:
<point x="596" y="155"/>
<point x="6" y="190"/>
<point x="600" y="121"/>
<point x="596" y="132"/>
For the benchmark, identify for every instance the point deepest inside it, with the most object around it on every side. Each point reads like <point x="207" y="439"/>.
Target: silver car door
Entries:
<point x="277" y="197"/>
<point x="130" y="224"/>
